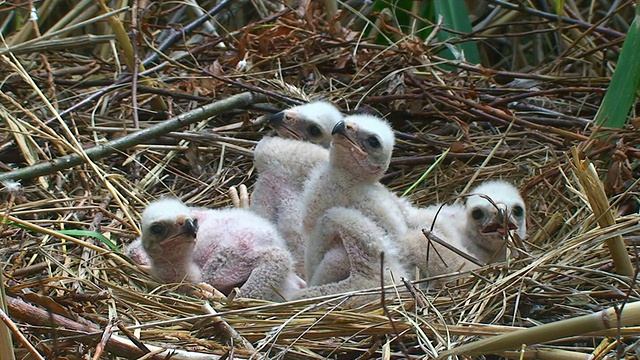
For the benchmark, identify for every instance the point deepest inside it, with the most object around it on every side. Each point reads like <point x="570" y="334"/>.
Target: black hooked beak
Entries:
<point x="190" y="227"/>
<point x="275" y="119"/>
<point x="340" y="127"/>
<point x="502" y="214"/>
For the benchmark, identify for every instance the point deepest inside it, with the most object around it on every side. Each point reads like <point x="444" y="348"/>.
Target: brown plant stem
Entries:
<point x="115" y="345"/>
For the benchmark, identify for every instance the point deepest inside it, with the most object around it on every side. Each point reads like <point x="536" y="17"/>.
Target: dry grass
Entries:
<point x="516" y="117"/>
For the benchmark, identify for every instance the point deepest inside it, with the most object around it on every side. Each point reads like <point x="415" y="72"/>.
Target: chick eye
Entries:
<point x="314" y="131"/>
<point x="518" y="211"/>
<point x="373" y="142"/>
<point x="158" y="229"/>
<point x="477" y="214"/>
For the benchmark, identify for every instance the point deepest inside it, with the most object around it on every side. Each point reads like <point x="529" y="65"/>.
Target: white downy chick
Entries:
<point x="284" y="163"/>
<point x="311" y="122"/>
<point x="361" y="243"/>
<point x="169" y="238"/>
<point x="488" y="225"/>
<point x="359" y="156"/>
<point x="478" y="229"/>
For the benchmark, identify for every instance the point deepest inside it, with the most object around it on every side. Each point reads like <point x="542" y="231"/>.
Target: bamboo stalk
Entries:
<point x="594" y="190"/>
<point x="605" y="319"/>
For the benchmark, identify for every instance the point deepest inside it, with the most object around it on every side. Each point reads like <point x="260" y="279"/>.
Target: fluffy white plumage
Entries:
<point x="169" y="238"/>
<point x="284" y="163"/>
<point x="488" y="224"/>
<point x="345" y="194"/>
<point x="310" y="122"/>
<point x="479" y="228"/>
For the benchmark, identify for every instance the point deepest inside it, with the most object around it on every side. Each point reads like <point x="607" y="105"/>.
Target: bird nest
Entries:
<point x="94" y="145"/>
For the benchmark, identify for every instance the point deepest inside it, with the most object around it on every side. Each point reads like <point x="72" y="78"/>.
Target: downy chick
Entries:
<point x="479" y="229"/>
<point x="231" y="248"/>
<point x="359" y="156"/>
<point x="283" y="165"/>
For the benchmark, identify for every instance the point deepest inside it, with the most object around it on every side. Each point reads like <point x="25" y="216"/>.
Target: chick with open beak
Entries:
<point x="480" y="230"/>
<point x="310" y="122"/>
<point x="495" y="212"/>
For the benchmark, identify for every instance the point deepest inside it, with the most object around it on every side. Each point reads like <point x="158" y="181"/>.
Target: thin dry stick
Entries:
<point x="433" y="237"/>
<point x="385" y="309"/>
<point x="594" y="190"/>
<point x="6" y="349"/>
<point x="226" y="329"/>
<point x="106" y="334"/>
<point x="606" y="319"/>
<point x="233" y="102"/>
<point x="128" y="53"/>
<point x="181" y="34"/>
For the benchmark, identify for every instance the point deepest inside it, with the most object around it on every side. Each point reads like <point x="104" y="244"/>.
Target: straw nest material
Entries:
<point x="457" y="124"/>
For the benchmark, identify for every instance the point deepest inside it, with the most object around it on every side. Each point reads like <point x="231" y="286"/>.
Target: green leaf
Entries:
<point x="427" y="172"/>
<point x="559" y="6"/>
<point x="620" y="96"/>
<point x="73" y="232"/>
<point x="93" y="234"/>
<point x="456" y="17"/>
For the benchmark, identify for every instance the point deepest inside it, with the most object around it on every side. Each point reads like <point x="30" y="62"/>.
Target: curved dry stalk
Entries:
<point x="594" y="190"/>
<point x="610" y="318"/>
<point x="6" y="349"/>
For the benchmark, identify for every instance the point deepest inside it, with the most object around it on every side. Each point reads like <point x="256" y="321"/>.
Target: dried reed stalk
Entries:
<point x="44" y="168"/>
<point x="157" y="103"/>
<point x="610" y="318"/>
<point x="547" y="354"/>
<point x="594" y="190"/>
